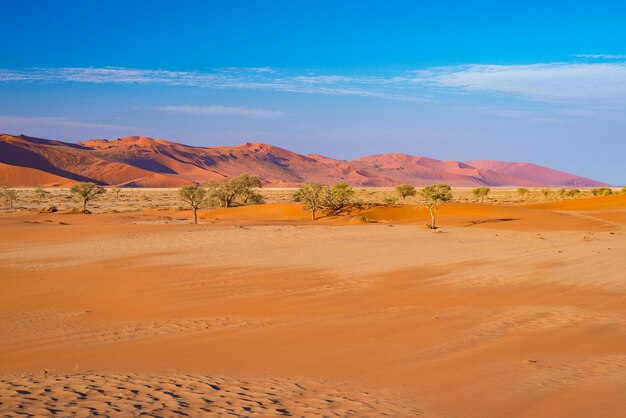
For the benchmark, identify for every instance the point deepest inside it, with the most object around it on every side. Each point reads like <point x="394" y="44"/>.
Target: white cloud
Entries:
<point x="8" y="122"/>
<point x="591" y="83"/>
<point x="601" y="56"/>
<point x="556" y="82"/>
<point x="220" y="110"/>
<point x="225" y="78"/>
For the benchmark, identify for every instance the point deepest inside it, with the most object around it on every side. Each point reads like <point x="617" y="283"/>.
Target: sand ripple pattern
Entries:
<point x="169" y="395"/>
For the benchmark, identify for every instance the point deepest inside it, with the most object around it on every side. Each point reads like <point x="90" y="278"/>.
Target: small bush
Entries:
<point x="41" y="194"/>
<point x="480" y="193"/>
<point x="405" y="190"/>
<point x="9" y="196"/>
<point x="602" y="191"/>
<point x="522" y="192"/>
<point x="572" y="193"/>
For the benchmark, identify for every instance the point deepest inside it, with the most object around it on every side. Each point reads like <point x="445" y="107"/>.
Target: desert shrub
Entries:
<point x="602" y="191"/>
<point x="9" y="196"/>
<point x="562" y="192"/>
<point x="404" y="190"/>
<point x="388" y="200"/>
<point x="435" y="196"/>
<point x="41" y="194"/>
<point x="86" y="192"/>
<point x="522" y="192"/>
<point x="116" y="192"/>
<point x="546" y="192"/>
<point x="312" y="196"/>
<point x="360" y="218"/>
<point x="480" y="193"/>
<point x="572" y="192"/>
<point x="195" y="196"/>
<point x="624" y="189"/>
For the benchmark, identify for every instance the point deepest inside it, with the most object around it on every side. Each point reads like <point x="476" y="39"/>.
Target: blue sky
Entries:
<point x="448" y="79"/>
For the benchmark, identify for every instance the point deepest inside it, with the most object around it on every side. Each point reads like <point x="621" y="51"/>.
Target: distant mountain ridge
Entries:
<point x="138" y="161"/>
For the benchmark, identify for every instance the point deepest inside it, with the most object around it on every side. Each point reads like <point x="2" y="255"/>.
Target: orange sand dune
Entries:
<point x="25" y="176"/>
<point x="146" y="162"/>
<point x="523" y="218"/>
<point x="264" y="313"/>
<point x="591" y="204"/>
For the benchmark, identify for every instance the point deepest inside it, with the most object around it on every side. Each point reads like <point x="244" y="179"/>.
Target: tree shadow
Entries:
<point x="488" y="221"/>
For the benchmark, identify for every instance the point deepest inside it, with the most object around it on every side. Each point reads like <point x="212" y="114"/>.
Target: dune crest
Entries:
<point x="140" y="161"/>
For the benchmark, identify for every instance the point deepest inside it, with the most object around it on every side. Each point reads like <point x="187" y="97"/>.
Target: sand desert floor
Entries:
<point x="506" y="311"/>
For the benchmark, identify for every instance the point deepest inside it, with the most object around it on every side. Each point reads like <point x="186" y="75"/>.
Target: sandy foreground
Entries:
<point x="516" y="311"/>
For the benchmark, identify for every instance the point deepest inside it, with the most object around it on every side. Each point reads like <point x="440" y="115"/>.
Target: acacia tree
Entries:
<point x="245" y="186"/>
<point x="86" y="192"/>
<point x="239" y="190"/>
<point x="337" y="199"/>
<point x="195" y="196"/>
<point x="312" y="196"/>
<point x="435" y="196"/>
<point x="481" y="193"/>
<point x="405" y="190"/>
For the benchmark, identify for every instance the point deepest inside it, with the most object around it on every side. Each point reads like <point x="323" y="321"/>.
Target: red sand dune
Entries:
<point x="145" y="162"/>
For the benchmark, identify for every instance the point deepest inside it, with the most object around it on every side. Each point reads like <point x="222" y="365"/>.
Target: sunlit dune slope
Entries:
<point x="26" y="176"/>
<point x="523" y="218"/>
<point x="588" y="204"/>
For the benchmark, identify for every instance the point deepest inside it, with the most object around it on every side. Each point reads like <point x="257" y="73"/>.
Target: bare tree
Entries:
<point x="481" y="193"/>
<point x="405" y="190"/>
<point x="312" y="196"/>
<point x="195" y="196"/>
<point x="116" y="192"/>
<point x="435" y="196"/>
<point x="86" y="192"/>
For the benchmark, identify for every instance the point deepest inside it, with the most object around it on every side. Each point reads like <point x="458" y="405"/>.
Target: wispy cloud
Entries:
<point x="589" y="83"/>
<point x="220" y="110"/>
<point x="601" y="56"/>
<point x="225" y="78"/>
<point x="555" y="82"/>
<point x="9" y="121"/>
<point x="528" y="115"/>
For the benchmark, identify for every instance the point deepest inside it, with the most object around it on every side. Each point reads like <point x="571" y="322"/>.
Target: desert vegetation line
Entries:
<point x="319" y="199"/>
